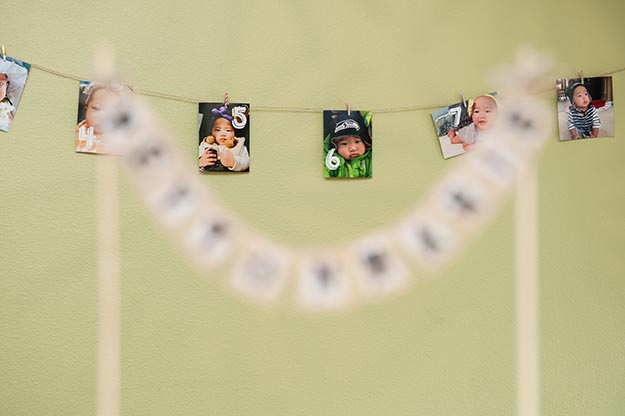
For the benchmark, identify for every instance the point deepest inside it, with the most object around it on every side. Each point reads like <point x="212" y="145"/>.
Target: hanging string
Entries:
<point x="168" y="96"/>
<point x="182" y="98"/>
<point x="55" y="72"/>
<point x="616" y="71"/>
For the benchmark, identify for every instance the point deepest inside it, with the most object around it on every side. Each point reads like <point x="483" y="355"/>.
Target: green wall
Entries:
<point x="190" y="346"/>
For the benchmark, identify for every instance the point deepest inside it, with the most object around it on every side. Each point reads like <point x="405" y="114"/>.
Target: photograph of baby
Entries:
<point x="224" y="144"/>
<point x="13" y="74"/>
<point x="585" y="108"/>
<point x="459" y="126"/>
<point x="93" y="99"/>
<point x="347" y="144"/>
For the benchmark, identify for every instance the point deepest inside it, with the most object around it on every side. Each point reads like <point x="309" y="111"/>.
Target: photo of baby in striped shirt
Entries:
<point x="586" y="99"/>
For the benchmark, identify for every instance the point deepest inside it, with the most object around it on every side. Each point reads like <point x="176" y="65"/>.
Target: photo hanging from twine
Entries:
<point x="13" y="75"/>
<point x="347" y="144"/>
<point x="585" y="108"/>
<point x="94" y="98"/>
<point x="461" y="125"/>
<point x="224" y="137"/>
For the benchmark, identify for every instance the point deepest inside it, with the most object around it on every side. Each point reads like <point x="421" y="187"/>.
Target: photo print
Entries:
<point x="459" y="126"/>
<point x="585" y="108"/>
<point x="93" y="99"/>
<point x="347" y="144"/>
<point x="13" y="75"/>
<point x="224" y="138"/>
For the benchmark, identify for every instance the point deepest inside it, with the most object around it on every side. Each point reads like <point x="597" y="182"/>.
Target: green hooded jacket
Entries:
<point x="359" y="167"/>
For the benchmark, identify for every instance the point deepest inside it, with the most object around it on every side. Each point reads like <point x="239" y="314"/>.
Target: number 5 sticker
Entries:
<point x="240" y="119"/>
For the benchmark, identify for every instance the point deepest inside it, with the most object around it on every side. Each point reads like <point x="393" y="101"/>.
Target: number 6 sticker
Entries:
<point x="332" y="162"/>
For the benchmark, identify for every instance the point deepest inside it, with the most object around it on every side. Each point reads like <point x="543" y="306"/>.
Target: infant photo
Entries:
<point x="93" y="99"/>
<point x="459" y="126"/>
<point x="13" y="74"/>
<point x="585" y="108"/>
<point x="224" y="144"/>
<point x="347" y="144"/>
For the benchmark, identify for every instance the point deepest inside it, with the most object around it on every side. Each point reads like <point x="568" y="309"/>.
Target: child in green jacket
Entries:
<point x="347" y="146"/>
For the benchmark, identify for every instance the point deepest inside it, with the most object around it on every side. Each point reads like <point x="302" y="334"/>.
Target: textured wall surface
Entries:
<point x="189" y="346"/>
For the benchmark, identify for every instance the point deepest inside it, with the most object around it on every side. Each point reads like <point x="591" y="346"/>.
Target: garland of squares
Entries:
<point x="431" y="235"/>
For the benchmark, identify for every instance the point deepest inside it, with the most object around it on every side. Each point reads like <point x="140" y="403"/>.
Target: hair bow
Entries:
<point x="222" y="112"/>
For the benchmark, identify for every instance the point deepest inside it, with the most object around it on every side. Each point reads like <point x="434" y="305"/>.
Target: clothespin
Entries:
<point x="349" y="109"/>
<point x="4" y="53"/>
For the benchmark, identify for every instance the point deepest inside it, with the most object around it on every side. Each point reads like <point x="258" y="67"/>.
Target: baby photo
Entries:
<point x="224" y="137"/>
<point x="585" y="108"/>
<point x="347" y="144"/>
<point x="459" y="126"/>
<point x="13" y="74"/>
<point x="93" y="99"/>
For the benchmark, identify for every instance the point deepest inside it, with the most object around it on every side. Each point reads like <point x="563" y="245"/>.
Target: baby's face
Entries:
<point x="100" y="100"/>
<point x="3" y="86"/>
<point x="484" y="112"/>
<point x="581" y="98"/>
<point x="222" y="131"/>
<point x="350" y="147"/>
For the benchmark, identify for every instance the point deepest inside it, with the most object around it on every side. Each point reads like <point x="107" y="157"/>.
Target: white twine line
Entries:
<point x="279" y="108"/>
<point x="108" y="371"/>
<point x="527" y="347"/>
